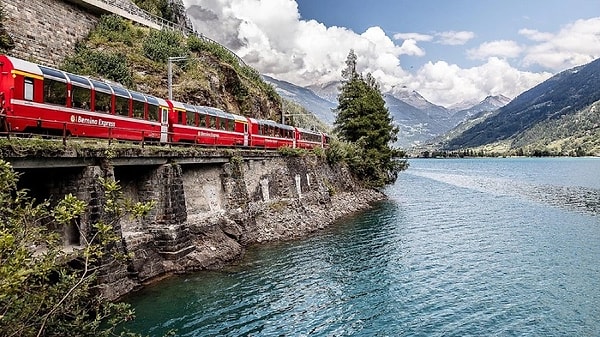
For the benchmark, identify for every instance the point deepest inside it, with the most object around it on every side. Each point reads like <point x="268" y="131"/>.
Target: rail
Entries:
<point x="131" y="9"/>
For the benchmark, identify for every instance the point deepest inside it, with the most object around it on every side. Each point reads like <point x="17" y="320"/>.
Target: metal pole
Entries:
<point x="170" y="78"/>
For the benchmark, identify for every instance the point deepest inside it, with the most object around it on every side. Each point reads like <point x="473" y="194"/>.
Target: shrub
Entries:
<point x="159" y="45"/>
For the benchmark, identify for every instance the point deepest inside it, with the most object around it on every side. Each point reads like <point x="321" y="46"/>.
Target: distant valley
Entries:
<point x="560" y="116"/>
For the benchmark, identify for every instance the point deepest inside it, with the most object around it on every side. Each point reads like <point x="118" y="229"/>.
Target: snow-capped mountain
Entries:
<point x="490" y="103"/>
<point x="417" y="119"/>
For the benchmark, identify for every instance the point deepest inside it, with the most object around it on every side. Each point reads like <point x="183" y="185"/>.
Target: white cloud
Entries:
<point x="575" y="44"/>
<point x="500" y="48"/>
<point x="413" y="36"/>
<point x="446" y="84"/>
<point x="535" y="35"/>
<point x="271" y="37"/>
<point x="453" y="38"/>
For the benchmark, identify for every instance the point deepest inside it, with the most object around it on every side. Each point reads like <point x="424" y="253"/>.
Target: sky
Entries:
<point x="451" y="52"/>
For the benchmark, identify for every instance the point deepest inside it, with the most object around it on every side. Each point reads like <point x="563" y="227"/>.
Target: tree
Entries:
<point x="45" y="290"/>
<point x="364" y="121"/>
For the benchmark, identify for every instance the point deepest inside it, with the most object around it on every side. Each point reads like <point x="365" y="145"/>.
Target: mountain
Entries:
<point x="490" y="103"/>
<point x="564" y="94"/>
<point x="415" y="125"/>
<point x="320" y="107"/>
<point x="416" y="100"/>
<point x="418" y="120"/>
<point x="328" y="91"/>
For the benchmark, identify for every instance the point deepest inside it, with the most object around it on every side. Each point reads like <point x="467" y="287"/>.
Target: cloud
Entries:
<point x="500" y="48"/>
<point x="535" y="35"/>
<point x="453" y="38"/>
<point x="413" y="36"/>
<point x="271" y="36"/>
<point x="442" y="83"/>
<point x="575" y="44"/>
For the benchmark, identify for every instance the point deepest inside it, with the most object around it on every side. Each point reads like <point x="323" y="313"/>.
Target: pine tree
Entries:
<point x="364" y="121"/>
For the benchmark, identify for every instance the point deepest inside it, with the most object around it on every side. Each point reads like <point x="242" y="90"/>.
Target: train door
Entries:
<point x="164" y="124"/>
<point x="246" y="134"/>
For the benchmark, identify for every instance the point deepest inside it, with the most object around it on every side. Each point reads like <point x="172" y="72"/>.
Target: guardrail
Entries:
<point x="130" y="8"/>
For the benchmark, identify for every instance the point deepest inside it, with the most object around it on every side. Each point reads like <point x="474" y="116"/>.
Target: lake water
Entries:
<point x="469" y="247"/>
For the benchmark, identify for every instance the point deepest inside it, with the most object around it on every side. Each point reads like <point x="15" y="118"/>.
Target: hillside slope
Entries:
<point x="136" y="57"/>
<point x="565" y="94"/>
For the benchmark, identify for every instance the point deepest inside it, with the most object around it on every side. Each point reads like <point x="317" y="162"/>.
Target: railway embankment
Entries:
<point x="210" y="204"/>
<point x="208" y="215"/>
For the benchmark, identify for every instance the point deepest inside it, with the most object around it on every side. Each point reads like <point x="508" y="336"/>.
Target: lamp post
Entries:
<point x="170" y="61"/>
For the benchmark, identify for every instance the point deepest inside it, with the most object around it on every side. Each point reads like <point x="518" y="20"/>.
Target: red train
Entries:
<point x="39" y="99"/>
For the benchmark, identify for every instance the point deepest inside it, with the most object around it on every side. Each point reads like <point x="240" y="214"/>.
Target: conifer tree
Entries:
<point x="364" y="121"/>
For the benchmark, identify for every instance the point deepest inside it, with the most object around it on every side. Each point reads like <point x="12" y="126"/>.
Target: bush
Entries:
<point x="159" y="45"/>
<point x="109" y="65"/>
<point x="45" y="291"/>
<point x="114" y="28"/>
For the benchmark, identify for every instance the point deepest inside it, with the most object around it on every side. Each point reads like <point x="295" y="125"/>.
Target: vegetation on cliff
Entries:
<point x="365" y="123"/>
<point x="46" y="289"/>
<point x="6" y="41"/>
<point x="210" y="75"/>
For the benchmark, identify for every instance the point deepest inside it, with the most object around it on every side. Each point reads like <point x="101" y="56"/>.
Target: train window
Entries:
<point x="202" y="120"/>
<point x="121" y="106"/>
<point x="213" y="122"/>
<point x="190" y="118"/>
<point x="231" y="125"/>
<point x="29" y="88"/>
<point x="138" y="109"/>
<point x="81" y="97"/>
<point x="55" y="92"/>
<point x="180" y="116"/>
<point x="103" y="102"/>
<point x="222" y="123"/>
<point x="153" y="112"/>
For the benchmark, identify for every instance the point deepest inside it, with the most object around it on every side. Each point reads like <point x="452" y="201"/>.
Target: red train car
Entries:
<point x="268" y="134"/>
<point x="206" y="125"/>
<point x="308" y="139"/>
<point x="40" y="99"/>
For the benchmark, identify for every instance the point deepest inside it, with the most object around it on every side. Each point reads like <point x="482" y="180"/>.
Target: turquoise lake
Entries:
<point x="463" y="247"/>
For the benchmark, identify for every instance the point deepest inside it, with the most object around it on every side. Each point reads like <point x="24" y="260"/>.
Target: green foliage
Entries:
<point x="114" y="28"/>
<point x="6" y="41"/>
<point x="364" y="121"/>
<point x="291" y="152"/>
<point x="45" y="290"/>
<point x="160" y="8"/>
<point x="109" y="65"/>
<point x="199" y="45"/>
<point x="159" y="45"/>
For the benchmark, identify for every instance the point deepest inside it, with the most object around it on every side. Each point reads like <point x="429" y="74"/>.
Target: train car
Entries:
<point x="207" y="126"/>
<point x="326" y="140"/>
<point x="271" y="135"/>
<point x="43" y="100"/>
<point x="39" y="99"/>
<point x="308" y="139"/>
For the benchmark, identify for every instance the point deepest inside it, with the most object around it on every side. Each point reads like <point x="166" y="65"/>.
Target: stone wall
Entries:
<point x="205" y="214"/>
<point x="46" y="31"/>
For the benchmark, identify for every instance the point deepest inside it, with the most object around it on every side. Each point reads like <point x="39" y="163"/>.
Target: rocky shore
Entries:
<point x="207" y="217"/>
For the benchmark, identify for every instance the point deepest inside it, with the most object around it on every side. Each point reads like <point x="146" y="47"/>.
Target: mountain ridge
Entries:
<point x="563" y="94"/>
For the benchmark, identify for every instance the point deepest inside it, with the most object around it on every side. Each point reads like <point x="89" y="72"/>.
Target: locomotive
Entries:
<point x="39" y="99"/>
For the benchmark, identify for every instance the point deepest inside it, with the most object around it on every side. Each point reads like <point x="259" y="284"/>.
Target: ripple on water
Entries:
<point x="457" y="251"/>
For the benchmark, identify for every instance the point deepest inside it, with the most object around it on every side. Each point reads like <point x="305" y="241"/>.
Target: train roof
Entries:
<point x="24" y="66"/>
<point x="317" y="132"/>
<point x="274" y="124"/>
